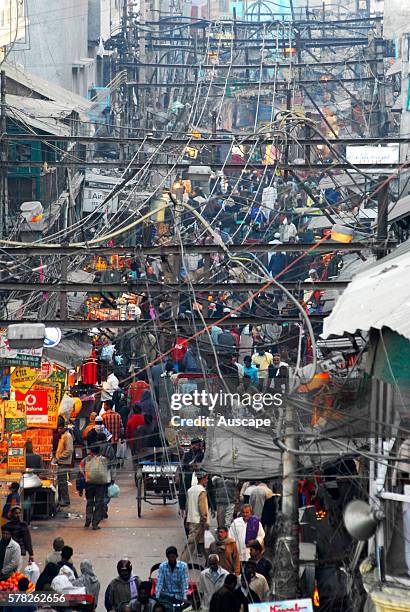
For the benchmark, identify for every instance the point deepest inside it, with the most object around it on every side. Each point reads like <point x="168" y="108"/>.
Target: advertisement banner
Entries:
<point x="14" y="416"/>
<point x="16" y="458"/>
<point x="36" y="402"/>
<point x="23" y="378"/>
<point x="291" y="605"/>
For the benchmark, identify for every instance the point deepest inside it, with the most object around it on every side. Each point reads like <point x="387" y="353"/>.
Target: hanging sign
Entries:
<point x="23" y="378"/>
<point x="14" y="416"/>
<point x="291" y="605"/>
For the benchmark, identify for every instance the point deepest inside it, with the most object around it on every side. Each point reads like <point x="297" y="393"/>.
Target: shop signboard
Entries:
<point x="23" y="378"/>
<point x="14" y="416"/>
<point x="19" y="357"/>
<point x="36" y="402"/>
<point x="16" y="458"/>
<point x="290" y="605"/>
<point x="96" y="189"/>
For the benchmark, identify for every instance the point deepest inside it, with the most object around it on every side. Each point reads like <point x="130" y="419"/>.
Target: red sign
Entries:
<point x="36" y="401"/>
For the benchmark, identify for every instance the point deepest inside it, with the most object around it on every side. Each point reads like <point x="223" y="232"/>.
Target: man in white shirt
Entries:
<point x="287" y="230"/>
<point x="197" y="516"/>
<point x="210" y="580"/>
<point x="244" y="529"/>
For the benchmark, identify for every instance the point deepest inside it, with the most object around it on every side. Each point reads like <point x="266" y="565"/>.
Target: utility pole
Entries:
<point x="214" y="130"/>
<point x="4" y="208"/>
<point x="286" y="578"/>
<point x="382" y="215"/>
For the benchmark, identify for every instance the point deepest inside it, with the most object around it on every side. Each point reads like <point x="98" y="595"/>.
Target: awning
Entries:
<point x="69" y="353"/>
<point x="45" y="89"/>
<point x="377" y="297"/>
<point x="399" y="210"/>
<point x="40" y="114"/>
<point x="241" y="452"/>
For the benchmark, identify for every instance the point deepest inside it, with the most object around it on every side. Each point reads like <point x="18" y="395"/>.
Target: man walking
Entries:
<point x="95" y="470"/>
<point x="10" y="554"/>
<point x="244" y="529"/>
<point x="227" y="551"/>
<point x="64" y="456"/>
<point x="113" y="422"/>
<point x="197" y="516"/>
<point x="211" y="580"/>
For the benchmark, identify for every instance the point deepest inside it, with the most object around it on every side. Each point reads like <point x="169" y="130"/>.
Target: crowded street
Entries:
<point x="204" y="305"/>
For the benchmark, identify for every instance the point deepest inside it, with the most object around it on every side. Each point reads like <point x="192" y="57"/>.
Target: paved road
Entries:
<point x="123" y="534"/>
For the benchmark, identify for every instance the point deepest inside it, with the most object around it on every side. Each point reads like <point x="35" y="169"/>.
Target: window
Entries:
<point x="23" y="152"/>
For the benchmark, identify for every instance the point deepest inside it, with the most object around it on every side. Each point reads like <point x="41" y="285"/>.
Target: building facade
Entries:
<point x="65" y="41"/>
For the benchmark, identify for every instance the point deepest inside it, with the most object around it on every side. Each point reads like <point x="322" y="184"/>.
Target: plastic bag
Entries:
<point x="96" y="470"/>
<point x="113" y="490"/>
<point x="32" y="571"/>
<point x="122" y="450"/>
<point x="208" y="538"/>
<point x="66" y="407"/>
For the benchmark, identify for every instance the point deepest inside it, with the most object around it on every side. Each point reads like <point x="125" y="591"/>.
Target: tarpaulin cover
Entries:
<point x="241" y="452"/>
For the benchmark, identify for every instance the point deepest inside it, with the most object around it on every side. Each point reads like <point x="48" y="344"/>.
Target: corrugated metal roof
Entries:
<point x="378" y="296"/>
<point x="48" y="90"/>
<point x="400" y="209"/>
<point x="41" y="114"/>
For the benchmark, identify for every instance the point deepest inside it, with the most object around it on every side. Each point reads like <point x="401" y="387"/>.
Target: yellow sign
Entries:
<point x="23" y="378"/>
<point x="196" y="134"/>
<point x="16" y="458"/>
<point x="191" y="152"/>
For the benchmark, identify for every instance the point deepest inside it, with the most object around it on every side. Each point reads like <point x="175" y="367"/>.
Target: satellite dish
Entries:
<point x="361" y="520"/>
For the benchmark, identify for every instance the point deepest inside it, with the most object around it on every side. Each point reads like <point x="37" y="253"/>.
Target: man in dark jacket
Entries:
<point x="123" y="588"/>
<point x="224" y="599"/>
<point x="20" y="532"/>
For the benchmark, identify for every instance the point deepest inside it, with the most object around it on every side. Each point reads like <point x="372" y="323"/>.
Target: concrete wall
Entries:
<point x="63" y="39"/>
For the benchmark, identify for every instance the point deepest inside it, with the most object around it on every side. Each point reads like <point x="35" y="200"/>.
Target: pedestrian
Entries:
<point x="172" y="581"/>
<point x="20" y="532"/>
<point x="55" y="555"/>
<point x="226" y="495"/>
<point x="89" y="427"/>
<point x="123" y="588"/>
<point x="66" y="560"/>
<point x="244" y="594"/>
<point x="251" y="370"/>
<point x="89" y="581"/>
<point x="50" y="571"/>
<point x="34" y="461"/>
<point x="226" y="549"/>
<point x="262" y="360"/>
<point x="135" y="421"/>
<point x="10" y="554"/>
<point x="224" y="599"/>
<point x="244" y="529"/>
<point x="94" y="469"/>
<point x="257" y="582"/>
<point x="263" y="565"/>
<point x="98" y="429"/>
<point x="197" y="517"/>
<point x="12" y="499"/>
<point x="258" y="497"/>
<point x="113" y="423"/>
<point x="144" y="602"/>
<point x="211" y="579"/>
<point x="148" y="406"/>
<point x="195" y="455"/>
<point x="64" y="456"/>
